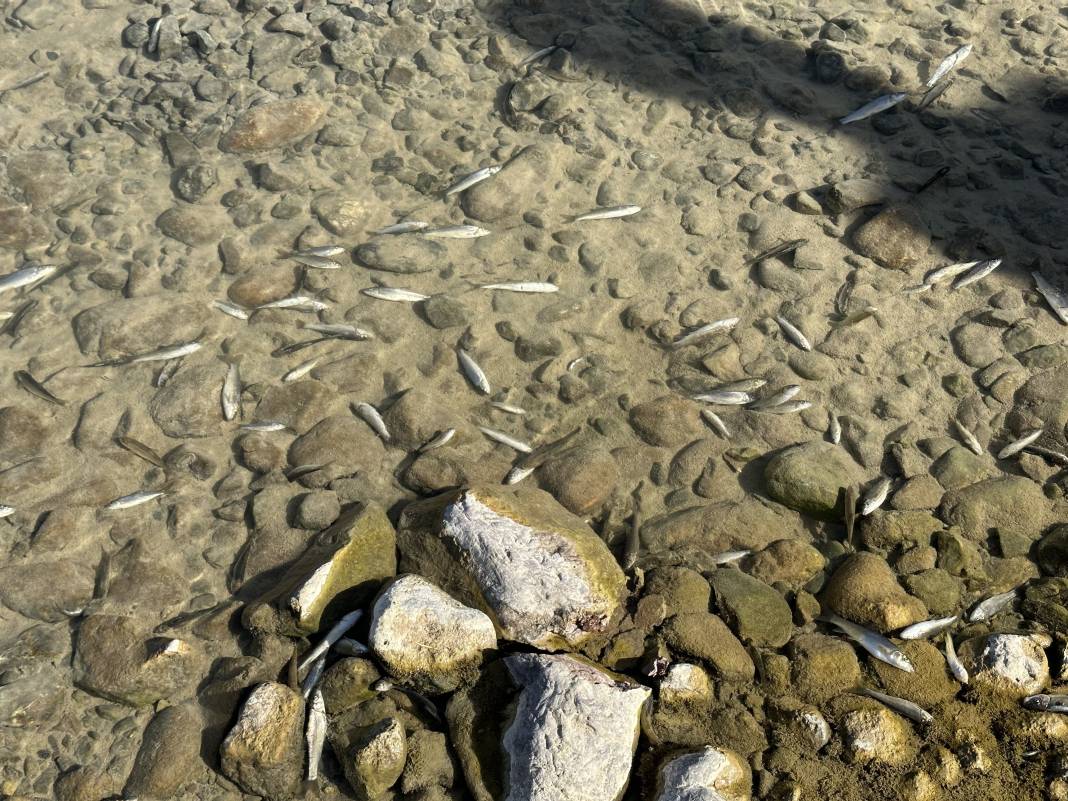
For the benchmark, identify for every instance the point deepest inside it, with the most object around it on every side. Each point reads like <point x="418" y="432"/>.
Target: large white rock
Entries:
<point x="574" y="732"/>
<point x="711" y="774"/>
<point x="875" y="734"/>
<point x="426" y="639"/>
<point x="1014" y="664"/>
<point x="263" y="753"/>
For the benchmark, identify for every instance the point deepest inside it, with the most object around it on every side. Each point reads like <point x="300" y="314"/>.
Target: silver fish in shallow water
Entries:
<point x="231" y="392"/>
<point x="793" y="333"/>
<point x="741" y="385"/>
<point x="789" y="407"/>
<point x="717" y="424"/>
<point x="927" y="628"/>
<point x="728" y="557"/>
<point x="300" y="371"/>
<point x="874" y="496"/>
<point x="537" y="287"/>
<point x="777" y="398"/>
<point x="608" y="213"/>
<point x="477" y="177"/>
<point x="336" y="632"/>
<point x="25" y="277"/>
<point x="315" y="734"/>
<point x="505" y="439"/>
<point x="339" y="331"/>
<point x="264" y="426"/>
<point x="347" y="646"/>
<point x="875" y="644"/>
<point x="949" y="271"/>
<point x="1056" y="298"/>
<point x="395" y="294"/>
<point x="834" y="429"/>
<point x="1018" y="445"/>
<point x="315" y="672"/>
<point x="35" y="387"/>
<point x="407" y="227"/>
<point x="161" y="355"/>
<point x="948" y="63"/>
<point x="133" y="499"/>
<point x="296" y="303"/>
<point x="439" y="439"/>
<point x="517" y="474"/>
<point x="876" y="106"/>
<point x="726" y="324"/>
<point x="369" y="414"/>
<point x="967" y="437"/>
<point x="992" y="606"/>
<point x="906" y="708"/>
<point x="316" y="262"/>
<point x="457" y="232"/>
<point x="473" y="372"/>
<point x="322" y="251"/>
<point x="1045" y="702"/>
<point x="958" y="670"/>
<point x="980" y="271"/>
<point x="6" y="511"/>
<point x="507" y="408"/>
<point x="724" y="397"/>
<point x="230" y="309"/>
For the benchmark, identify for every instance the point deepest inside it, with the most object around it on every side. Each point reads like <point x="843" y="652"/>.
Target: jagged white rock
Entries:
<point x="711" y="774"/>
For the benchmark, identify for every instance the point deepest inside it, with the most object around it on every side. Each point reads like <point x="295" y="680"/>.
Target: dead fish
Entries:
<point x="439" y="439"/>
<point x="300" y="371"/>
<point x="138" y="448"/>
<point x="717" y="424"/>
<point x="264" y="427"/>
<point x="775" y="399"/>
<point x="633" y="541"/>
<point x="161" y="355"/>
<point x="724" y="397"/>
<point x="6" y="511"/>
<point x="874" y="496"/>
<point x="35" y="387"/>
<point x="548" y="450"/>
<point x="934" y="93"/>
<point x="407" y="227"/>
<point x="517" y="474"/>
<point x="789" y="407"/>
<point x="336" y="632"/>
<point x="726" y="324"/>
<point x="779" y="250"/>
<point x="395" y="294"/>
<point x="834" y="429"/>
<point x="980" y="271"/>
<point x="15" y="318"/>
<point x="537" y="55"/>
<point x="315" y="734"/>
<point x="949" y="271"/>
<point x="1018" y="445"/>
<point x="473" y="372"/>
<point x="906" y="708"/>
<point x="875" y="644"/>
<point x="167" y="371"/>
<point x="134" y="499"/>
<point x="728" y="557"/>
<point x="230" y="309"/>
<point x="339" y="331"/>
<point x="855" y="317"/>
<point x="316" y="262"/>
<point x="992" y="606"/>
<point x="457" y="232"/>
<point x="369" y="414"/>
<point x="293" y="347"/>
<point x="940" y="173"/>
<point x="955" y="666"/>
<point x="504" y="439"/>
<point x="849" y="506"/>
<point x="948" y="63"/>
<point x="876" y="106"/>
<point x="385" y="686"/>
<point x="1050" y="455"/>
<point x="315" y="672"/>
<point x="25" y="277"/>
<point x="742" y="385"/>
<point x="477" y="177"/>
<point x="927" y="628"/>
<point x="347" y="646"/>
<point x="231" y="392"/>
<point x="296" y="303"/>
<point x="608" y="213"/>
<point x="303" y="470"/>
<point x="507" y="408"/>
<point x="321" y="251"/>
<point x="967" y="437"/>
<point x="524" y="286"/>
<point x="1056" y="298"/>
<point x="793" y="333"/>
<point x="1044" y="702"/>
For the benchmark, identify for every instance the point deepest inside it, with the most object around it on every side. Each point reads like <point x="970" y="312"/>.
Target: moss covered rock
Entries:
<point x="809" y="478"/>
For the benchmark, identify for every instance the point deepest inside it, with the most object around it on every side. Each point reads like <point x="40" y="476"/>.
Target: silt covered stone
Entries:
<point x="264" y="751"/>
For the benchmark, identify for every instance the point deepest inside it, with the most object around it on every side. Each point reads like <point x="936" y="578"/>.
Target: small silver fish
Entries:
<point x="505" y="439"/>
<point x="394" y="294"/>
<point x="316" y="262"/>
<point x="297" y="303"/>
<point x="1056" y="298"/>
<point x="776" y="399"/>
<point x="949" y="271"/>
<point x="315" y="734"/>
<point x="164" y="354"/>
<point x="980" y="271"/>
<point x="336" y="632"/>
<point x="139" y="449"/>
<point x="927" y="628"/>
<point x="369" y="414"/>
<point x="322" y="251"/>
<point x="265" y="426"/>
<point x="742" y="385"/>
<point x="167" y="372"/>
<point x="790" y="407"/>
<point x="524" y="286"/>
<point x="1050" y="455"/>
<point x="406" y="227"/>
<point x="537" y="55"/>
<point x="835" y="429"/>
<point x="876" y="106"/>
<point x="717" y="424"/>
<point x="439" y="439"/>
<point x="1044" y="702"/>
<point x="473" y="372"/>
<point x="874" y="496"/>
<point x="727" y="557"/>
<point x="724" y="397"/>
<point x="726" y="324"/>
<point x="134" y="499"/>
<point x="347" y="646"/>
<point x="875" y="644"/>
<point x="231" y="309"/>
<point x="6" y="511"/>
<point x="507" y="408"/>
<point x="906" y="708"/>
<point x="793" y="333"/>
<point x="303" y="470"/>
<point x="300" y="371"/>
<point x="339" y="330"/>
<point x="1018" y="445"/>
<point x="25" y="277"/>
<point x="608" y="213"/>
<point x="477" y="177"/>
<point x="955" y="666"/>
<point x="517" y="474"/>
<point x="948" y="63"/>
<point x="967" y="437"/>
<point x="315" y="672"/>
<point x="231" y="392"/>
<point x="457" y="232"/>
<point x="992" y="606"/>
<point x="933" y="94"/>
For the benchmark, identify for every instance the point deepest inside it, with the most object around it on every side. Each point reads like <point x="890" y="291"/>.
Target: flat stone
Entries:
<point x="877" y="735"/>
<point x="581" y="479"/>
<point x="495" y="199"/>
<point x="190" y="225"/>
<point x="756" y="612"/>
<point x="182" y="408"/>
<point x="995" y="504"/>
<point x="822" y="667"/>
<point x="668" y="421"/>
<point x="1010" y="664"/>
<point x="272" y="125"/>
<point x="169" y="754"/>
<point x="865" y="590"/>
<point x="789" y="561"/>
<point x="810" y="477"/>
<point x="346" y="215"/>
<point x="896" y="237"/>
<point x="264" y="284"/>
<point x="426" y="639"/>
<point x="704" y="636"/>
<point x="19" y="228"/>
<point x="298" y="404"/>
<point x="46" y="590"/>
<point x="406" y="255"/>
<point x="128" y="327"/>
<point x="264" y="751"/>
<point x="856" y="193"/>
